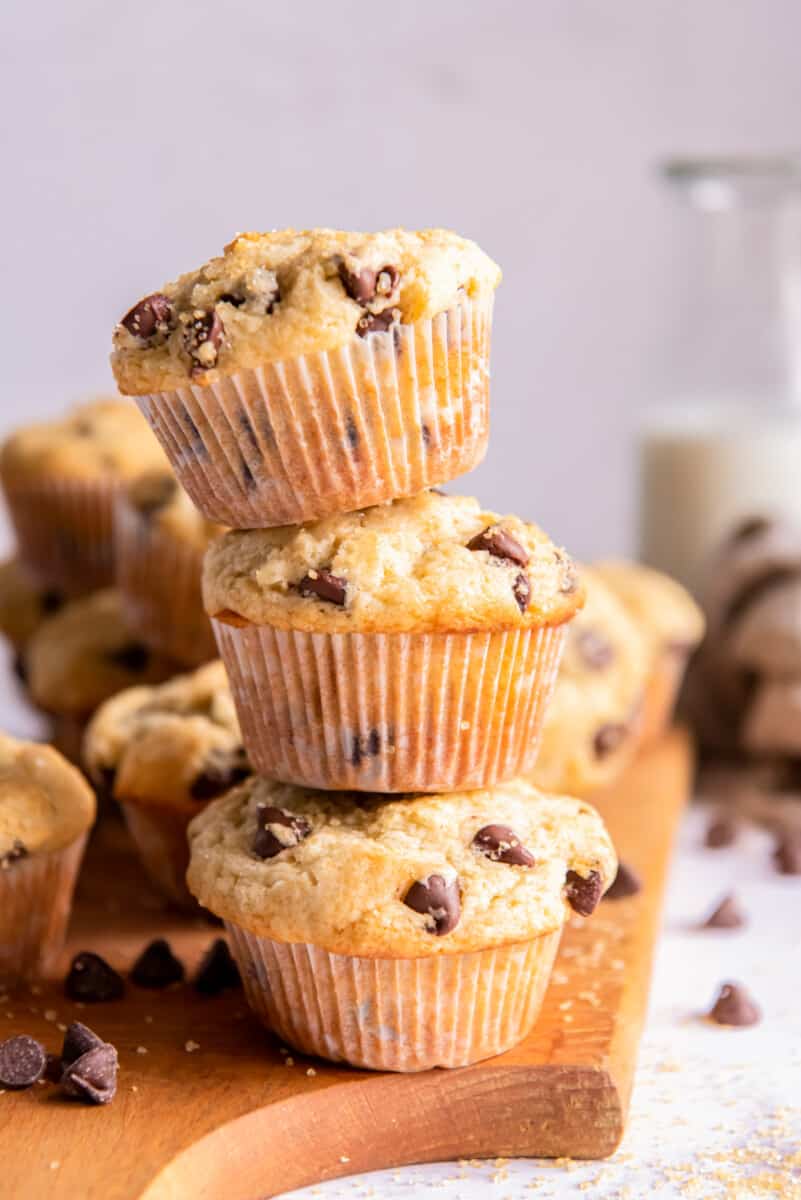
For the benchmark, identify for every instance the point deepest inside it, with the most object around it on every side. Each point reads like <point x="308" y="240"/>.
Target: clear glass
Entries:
<point x="725" y="442"/>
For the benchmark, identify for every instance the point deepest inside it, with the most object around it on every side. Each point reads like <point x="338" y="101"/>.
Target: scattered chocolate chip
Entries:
<point x="750" y="527"/>
<point x="501" y="844"/>
<point x="583" y="892"/>
<point x="626" y="883"/>
<point x="596" y="651"/>
<point x="17" y="851"/>
<point x="91" y="979"/>
<point x="132" y="656"/>
<point x="154" y="494"/>
<point x="51" y="601"/>
<point x="149" y="316"/>
<point x="377" y="322"/>
<point x="78" y="1040"/>
<point x="277" y="830"/>
<point x="734" y="1006"/>
<point x="438" y="899"/>
<point x="20" y="667"/>
<point x="53" y="1069"/>
<point x="92" y="1077"/>
<point x="500" y="544"/>
<point x="609" y="738"/>
<point x="217" y="971"/>
<point x="721" y="831"/>
<point x="324" y="585"/>
<point x="521" y="590"/>
<point x="727" y="915"/>
<point x="221" y="771"/>
<point x="365" y="746"/>
<point x="787" y="855"/>
<point x="202" y="339"/>
<point x="22" y="1061"/>
<point x="352" y="433"/>
<point x="157" y="967"/>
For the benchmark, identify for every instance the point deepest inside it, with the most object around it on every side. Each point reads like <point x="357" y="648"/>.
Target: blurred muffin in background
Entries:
<point x="24" y="604"/>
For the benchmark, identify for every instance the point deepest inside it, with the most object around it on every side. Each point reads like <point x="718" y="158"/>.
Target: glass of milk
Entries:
<point x="725" y="444"/>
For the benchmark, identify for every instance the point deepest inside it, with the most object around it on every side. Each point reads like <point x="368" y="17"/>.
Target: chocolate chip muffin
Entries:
<point x="410" y="646"/>
<point x="164" y="752"/>
<point x="60" y="479"/>
<point x="24" y="603"/>
<point x="303" y="373"/>
<point x="46" y="810"/>
<point x="591" y="728"/>
<point x="421" y="931"/>
<point x="160" y="539"/>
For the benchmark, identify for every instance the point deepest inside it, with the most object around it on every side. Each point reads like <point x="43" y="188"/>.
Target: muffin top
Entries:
<point x="432" y="562"/>
<point x="664" y="610"/>
<point x="86" y="653"/>
<point x="598" y="696"/>
<point x="45" y="803"/>
<point x="272" y="296"/>
<point x="157" y="499"/>
<point x="177" y="744"/>
<point x="401" y="878"/>
<point x="24" y="602"/>
<point x="101" y="439"/>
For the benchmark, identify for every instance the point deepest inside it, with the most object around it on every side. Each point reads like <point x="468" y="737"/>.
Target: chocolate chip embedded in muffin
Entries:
<point x="277" y="830"/>
<point x="221" y="771"/>
<point x="132" y="656"/>
<point x="150" y="316"/>
<point x="367" y="284"/>
<point x="377" y="322"/>
<point x="596" y="651"/>
<point x="157" y="967"/>
<point x="92" y="1077"/>
<point x="498" y="542"/>
<point x="583" y="892"/>
<point x="202" y="337"/>
<point x="501" y="844"/>
<point x="324" y="585"/>
<point x="91" y="979"/>
<point x="734" y="1006"/>
<point x="437" y="899"/>
<point x="609" y="738"/>
<point x="22" y="1062"/>
<point x="18" y="850"/>
<point x="521" y="589"/>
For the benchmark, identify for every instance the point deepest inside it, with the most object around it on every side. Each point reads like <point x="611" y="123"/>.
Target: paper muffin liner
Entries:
<point x="390" y="712"/>
<point x="64" y="530"/>
<point x="35" y="903"/>
<point x="395" y="1014"/>
<point x="159" y="835"/>
<point x="662" y="692"/>
<point x="67" y="734"/>
<point x="382" y="417"/>
<point x="158" y="576"/>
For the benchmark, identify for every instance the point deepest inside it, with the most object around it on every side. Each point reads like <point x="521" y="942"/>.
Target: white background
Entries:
<point x="139" y="137"/>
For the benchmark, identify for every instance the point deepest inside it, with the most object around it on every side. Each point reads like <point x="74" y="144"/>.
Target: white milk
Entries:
<point x="704" y="467"/>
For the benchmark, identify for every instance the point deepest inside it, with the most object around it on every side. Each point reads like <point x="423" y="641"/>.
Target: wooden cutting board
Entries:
<point x="232" y="1120"/>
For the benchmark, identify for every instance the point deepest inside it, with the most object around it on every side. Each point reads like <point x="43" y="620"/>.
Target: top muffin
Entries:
<point x="98" y="440"/>
<point x="429" y="563"/>
<point x="271" y="296"/>
<point x="45" y="803"/>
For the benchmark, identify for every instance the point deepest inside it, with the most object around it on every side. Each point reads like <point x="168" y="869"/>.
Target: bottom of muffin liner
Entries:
<point x="159" y="836"/>
<point x="390" y="712"/>
<point x="395" y="1014"/>
<point x="64" y="530"/>
<point x="35" y="904"/>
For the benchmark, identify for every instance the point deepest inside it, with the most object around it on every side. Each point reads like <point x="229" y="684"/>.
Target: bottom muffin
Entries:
<point x="397" y="934"/>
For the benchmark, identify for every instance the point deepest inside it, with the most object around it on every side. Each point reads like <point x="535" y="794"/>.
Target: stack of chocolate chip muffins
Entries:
<point x="393" y="887"/>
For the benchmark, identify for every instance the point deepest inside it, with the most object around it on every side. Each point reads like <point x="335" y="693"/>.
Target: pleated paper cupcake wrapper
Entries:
<point x="382" y="417"/>
<point x="35" y="904"/>
<point x="159" y="835"/>
<point x="390" y="712"/>
<point x="662" y="692"/>
<point x="64" y="531"/>
<point x="395" y="1014"/>
<point x="158" y="576"/>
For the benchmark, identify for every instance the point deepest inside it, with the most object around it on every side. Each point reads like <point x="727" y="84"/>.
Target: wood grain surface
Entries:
<point x="234" y="1120"/>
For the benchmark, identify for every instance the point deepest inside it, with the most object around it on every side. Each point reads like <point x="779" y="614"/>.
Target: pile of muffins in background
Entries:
<point x="392" y="859"/>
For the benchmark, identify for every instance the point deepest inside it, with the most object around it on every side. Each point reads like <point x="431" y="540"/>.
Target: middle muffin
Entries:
<point x="408" y="647"/>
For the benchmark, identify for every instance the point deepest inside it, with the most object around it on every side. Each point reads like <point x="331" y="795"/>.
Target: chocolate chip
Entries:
<point x="79" y="1039"/>
<point x="157" y="967"/>
<point x="53" y="1068"/>
<point x="221" y="771"/>
<point x="277" y="830"/>
<point x="151" y="315"/>
<point x="20" y="667"/>
<point x="217" y="971"/>
<point x="756" y="588"/>
<point x="131" y="656"/>
<point x="596" y="651"/>
<point x="377" y="322"/>
<point x="92" y="1077"/>
<point x="787" y="855"/>
<point x="365" y="746"/>
<point x="438" y="899"/>
<point x="324" y="585"/>
<point x="626" y="883"/>
<point x="352" y="432"/>
<point x="51" y="601"/>
<point x="500" y="544"/>
<point x="91" y="979"/>
<point x="155" y="494"/>
<point x="727" y="915"/>
<point x="583" y="892"/>
<point x="22" y="1061"/>
<point x="734" y="1006"/>
<point x="387" y="279"/>
<point x="521" y="590"/>
<point x="750" y="527"/>
<point x="364" y="285"/>
<point x="17" y="851"/>
<point x="231" y="298"/>
<point x="609" y="738"/>
<point x="501" y="844"/>
<point x="722" y="830"/>
<point x="202" y="339"/>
